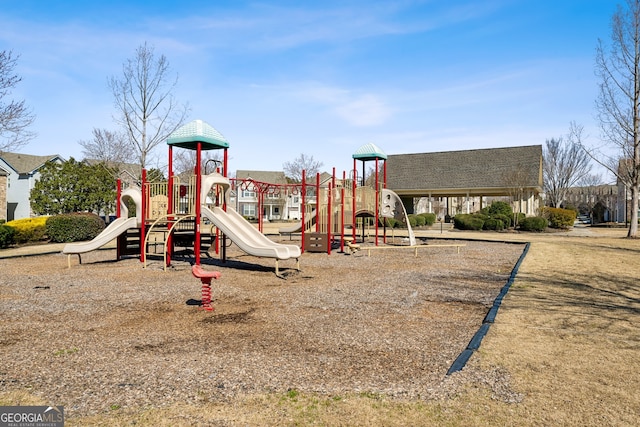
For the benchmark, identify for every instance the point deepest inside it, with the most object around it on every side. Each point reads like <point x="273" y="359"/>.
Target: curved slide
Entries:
<point x="116" y="228"/>
<point x="246" y="236"/>
<point x="392" y="207"/>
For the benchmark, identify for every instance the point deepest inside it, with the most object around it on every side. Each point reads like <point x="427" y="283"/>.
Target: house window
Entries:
<point x="296" y="199"/>
<point x="249" y="210"/>
<point x="276" y="210"/>
<point x="248" y="193"/>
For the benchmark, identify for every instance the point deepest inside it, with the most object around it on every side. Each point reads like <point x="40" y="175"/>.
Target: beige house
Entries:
<point x="452" y="182"/>
<point x="253" y="193"/>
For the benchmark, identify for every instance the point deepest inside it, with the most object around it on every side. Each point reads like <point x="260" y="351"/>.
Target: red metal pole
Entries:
<point x="344" y="176"/>
<point x="303" y="196"/>
<point x="353" y="208"/>
<point x="260" y="208"/>
<point x="143" y="215"/>
<point x="224" y="162"/>
<point x="377" y="201"/>
<point x="118" y="196"/>
<point x="384" y="177"/>
<point x="317" y="202"/>
<point x="196" y="249"/>
<point x="170" y="207"/>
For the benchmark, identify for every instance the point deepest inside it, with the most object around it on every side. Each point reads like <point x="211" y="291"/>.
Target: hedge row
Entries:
<point x="415" y="220"/>
<point x="533" y="223"/>
<point x="59" y="228"/>
<point x="74" y="227"/>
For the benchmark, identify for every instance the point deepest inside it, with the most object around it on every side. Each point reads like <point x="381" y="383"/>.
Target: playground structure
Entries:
<point x="337" y="209"/>
<point x="170" y="214"/>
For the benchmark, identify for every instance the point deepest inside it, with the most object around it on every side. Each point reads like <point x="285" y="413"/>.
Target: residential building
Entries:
<point x="265" y="189"/>
<point x="599" y="202"/>
<point x="22" y="171"/>
<point x="455" y="182"/>
<point x="624" y="206"/>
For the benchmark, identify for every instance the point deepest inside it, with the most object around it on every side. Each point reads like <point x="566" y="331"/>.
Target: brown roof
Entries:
<point x="27" y="163"/>
<point x="262" y="176"/>
<point x="479" y="172"/>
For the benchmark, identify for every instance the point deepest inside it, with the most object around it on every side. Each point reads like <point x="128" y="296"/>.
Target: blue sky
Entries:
<point x="281" y="78"/>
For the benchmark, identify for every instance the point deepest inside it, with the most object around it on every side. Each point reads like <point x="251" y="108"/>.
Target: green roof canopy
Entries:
<point x="189" y="135"/>
<point x="369" y="152"/>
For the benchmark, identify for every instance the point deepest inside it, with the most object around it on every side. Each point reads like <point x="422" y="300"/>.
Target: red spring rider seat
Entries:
<point x="205" y="277"/>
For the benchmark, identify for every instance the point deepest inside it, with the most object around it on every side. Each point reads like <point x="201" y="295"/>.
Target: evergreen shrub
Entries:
<point x="468" y="222"/>
<point x="6" y="236"/>
<point x="559" y="218"/>
<point x="533" y="223"/>
<point x="74" y="227"/>
<point x="429" y="218"/>
<point x="420" y="220"/>
<point x="493" y="224"/>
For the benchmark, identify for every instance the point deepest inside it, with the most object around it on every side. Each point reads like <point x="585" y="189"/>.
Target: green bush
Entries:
<point x="500" y="208"/>
<point x="413" y="222"/>
<point x="6" y="236"/>
<point x="493" y="224"/>
<point x="559" y="218"/>
<point x="507" y="221"/>
<point x="429" y="218"/>
<point x="29" y="229"/>
<point x="519" y="217"/>
<point x="419" y="220"/>
<point x="468" y="222"/>
<point x="74" y="227"/>
<point x="391" y="222"/>
<point x="533" y="223"/>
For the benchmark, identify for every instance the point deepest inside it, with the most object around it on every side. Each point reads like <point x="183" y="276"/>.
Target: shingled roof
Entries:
<point x="26" y="163"/>
<point x="473" y="172"/>
<point x="271" y="177"/>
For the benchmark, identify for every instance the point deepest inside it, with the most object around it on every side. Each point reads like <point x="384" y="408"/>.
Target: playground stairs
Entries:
<point x="129" y="242"/>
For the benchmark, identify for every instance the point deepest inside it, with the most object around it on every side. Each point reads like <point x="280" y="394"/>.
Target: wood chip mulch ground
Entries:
<point x="110" y="334"/>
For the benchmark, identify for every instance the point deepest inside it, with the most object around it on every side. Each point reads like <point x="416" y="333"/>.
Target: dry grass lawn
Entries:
<point x="567" y="337"/>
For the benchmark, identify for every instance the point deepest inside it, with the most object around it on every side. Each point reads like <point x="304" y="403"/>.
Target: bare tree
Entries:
<point x="618" y="103"/>
<point x="107" y="146"/>
<point x="293" y="170"/>
<point x="147" y="110"/>
<point x="15" y="117"/>
<point x="516" y="181"/>
<point x="564" y="164"/>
